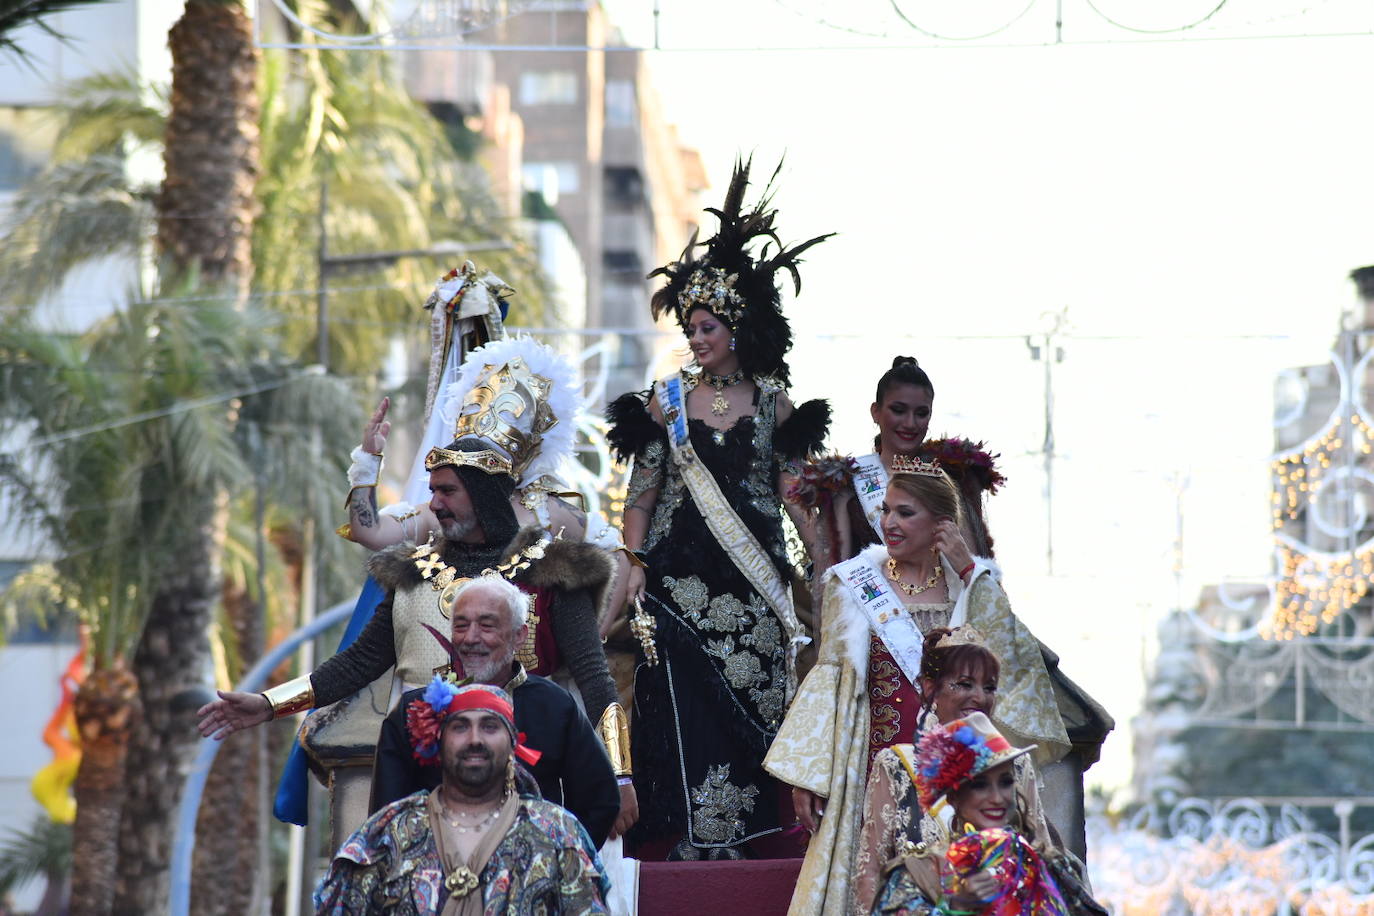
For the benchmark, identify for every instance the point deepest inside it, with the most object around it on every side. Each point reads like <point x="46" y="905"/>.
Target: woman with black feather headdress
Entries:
<point x="713" y="447"/>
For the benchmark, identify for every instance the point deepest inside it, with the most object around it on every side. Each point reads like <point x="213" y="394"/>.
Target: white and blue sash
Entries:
<point x="887" y="616"/>
<point x="730" y="531"/>
<point x="870" y="483"/>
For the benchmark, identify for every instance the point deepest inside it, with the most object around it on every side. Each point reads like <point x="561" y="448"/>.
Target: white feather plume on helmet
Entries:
<point x="563" y="400"/>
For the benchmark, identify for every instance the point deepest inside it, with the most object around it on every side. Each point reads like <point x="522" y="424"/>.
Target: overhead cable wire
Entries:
<point x="178" y="407"/>
<point x="896" y="8"/>
<point x="1140" y="31"/>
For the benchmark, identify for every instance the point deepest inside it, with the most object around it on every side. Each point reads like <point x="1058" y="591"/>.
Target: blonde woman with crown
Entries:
<point x="864" y="692"/>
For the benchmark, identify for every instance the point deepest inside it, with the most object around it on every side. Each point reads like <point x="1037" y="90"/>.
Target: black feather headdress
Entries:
<point x="737" y="286"/>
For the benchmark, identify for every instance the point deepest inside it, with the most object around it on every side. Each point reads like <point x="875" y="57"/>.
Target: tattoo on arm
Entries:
<point x="363" y="507"/>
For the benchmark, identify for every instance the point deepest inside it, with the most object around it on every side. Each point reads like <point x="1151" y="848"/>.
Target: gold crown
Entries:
<point x="508" y="410"/>
<point x="910" y="464"/>
<point x="710" y="288"/>
<point x="964" y="635"/>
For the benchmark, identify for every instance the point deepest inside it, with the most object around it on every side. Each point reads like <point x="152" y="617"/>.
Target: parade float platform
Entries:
<point x="761" y="887"/>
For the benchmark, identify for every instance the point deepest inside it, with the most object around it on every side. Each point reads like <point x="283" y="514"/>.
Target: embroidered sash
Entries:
<point x="870" y="483"/>
<point x="733" y="535"/>
<point x="887" y="616"/>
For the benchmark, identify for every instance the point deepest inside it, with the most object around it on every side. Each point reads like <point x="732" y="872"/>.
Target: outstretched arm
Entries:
<point x="343" y="674"/>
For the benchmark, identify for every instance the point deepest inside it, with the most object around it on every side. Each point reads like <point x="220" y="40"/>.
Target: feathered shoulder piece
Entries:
<point x="804" y="432"/>
<point x="632" y="427"/>
<point x="735" y="283"/>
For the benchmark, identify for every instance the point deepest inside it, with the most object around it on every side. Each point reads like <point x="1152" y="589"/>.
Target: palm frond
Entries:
<point x="15" y="14"/>
<point x="43" y="849"/>
<point x="70" y="214"/>
<point x="106" y="111"/>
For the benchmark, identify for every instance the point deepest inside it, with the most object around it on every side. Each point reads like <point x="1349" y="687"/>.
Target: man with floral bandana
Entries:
<point x="482" y="842"/>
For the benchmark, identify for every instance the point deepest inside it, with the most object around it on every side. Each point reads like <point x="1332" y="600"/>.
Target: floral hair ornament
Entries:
<point x="965" y="459"/>
<point x="957" y="752"/>
<point x="426" y="716"/>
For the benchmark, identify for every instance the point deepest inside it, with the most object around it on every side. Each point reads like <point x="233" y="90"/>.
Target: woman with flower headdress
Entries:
<point x="865" y="691"/>
<point x="713" y="446"/>
<point x="991" y="861"/>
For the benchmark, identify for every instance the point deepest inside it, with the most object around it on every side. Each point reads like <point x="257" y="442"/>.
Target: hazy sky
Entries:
<point x="1195" y="207"/>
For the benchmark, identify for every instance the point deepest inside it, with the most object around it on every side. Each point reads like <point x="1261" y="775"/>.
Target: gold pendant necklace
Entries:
<point x="719" y="406"/>
<point x="907" y="588"/>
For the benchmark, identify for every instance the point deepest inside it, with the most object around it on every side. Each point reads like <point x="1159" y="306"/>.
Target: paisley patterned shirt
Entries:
<point x="545" y="864"/>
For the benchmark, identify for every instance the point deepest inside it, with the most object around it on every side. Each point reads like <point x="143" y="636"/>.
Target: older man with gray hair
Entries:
<point x="488" y="622"/>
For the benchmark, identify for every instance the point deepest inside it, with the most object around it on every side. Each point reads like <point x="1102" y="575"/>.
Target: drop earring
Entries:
<point x="732" y="345"/>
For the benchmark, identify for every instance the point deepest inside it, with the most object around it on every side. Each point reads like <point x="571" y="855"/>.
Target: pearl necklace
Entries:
<point x="474" y="828"/>
<point x="907" y="588"/>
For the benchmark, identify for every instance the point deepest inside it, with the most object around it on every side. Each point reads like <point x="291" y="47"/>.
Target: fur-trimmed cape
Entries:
<point x="566" y="564"/>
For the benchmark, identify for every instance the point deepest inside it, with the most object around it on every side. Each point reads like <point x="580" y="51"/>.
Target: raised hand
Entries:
<point x="377" y="428"/>
<point x="949" y="540"/>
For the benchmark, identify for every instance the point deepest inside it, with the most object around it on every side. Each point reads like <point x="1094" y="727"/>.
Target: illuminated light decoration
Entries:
<point x="1315" y="587"/>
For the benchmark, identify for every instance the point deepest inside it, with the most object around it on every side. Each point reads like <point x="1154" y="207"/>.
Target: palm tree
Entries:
<point x="391" y="173"/>
<point x="137" y="426"/>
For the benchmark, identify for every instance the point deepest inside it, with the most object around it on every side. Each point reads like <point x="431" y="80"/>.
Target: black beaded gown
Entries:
<point x="706" y="714"/>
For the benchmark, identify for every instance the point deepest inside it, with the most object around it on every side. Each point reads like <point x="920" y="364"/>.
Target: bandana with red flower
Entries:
<point x="425" y="717"/>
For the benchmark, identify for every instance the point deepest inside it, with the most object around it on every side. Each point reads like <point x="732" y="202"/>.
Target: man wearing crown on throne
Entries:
<point x="502" y="419"/>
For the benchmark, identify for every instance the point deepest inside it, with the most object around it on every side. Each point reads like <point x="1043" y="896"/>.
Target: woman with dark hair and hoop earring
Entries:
<point x="844" y="495"/>
<point x="863" y="694"/>
<point x="713" y="447"/>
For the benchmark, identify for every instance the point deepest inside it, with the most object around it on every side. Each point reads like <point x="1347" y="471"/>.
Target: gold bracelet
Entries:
<point x="290" y="698"/>
<point x="633" y="556"/>
<point x="614" y="729"/>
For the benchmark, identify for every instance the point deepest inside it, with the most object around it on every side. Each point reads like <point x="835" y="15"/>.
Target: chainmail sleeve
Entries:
<point x="575" y="629"/>
<point x="345" y="673"/>
<point x="646" y="473"/>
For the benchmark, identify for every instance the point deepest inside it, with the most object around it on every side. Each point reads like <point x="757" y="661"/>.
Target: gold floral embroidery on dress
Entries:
<point x="727" y="615"/>
<point x="751" y="654"/>
<point x="883" y="725"/>
<point x="690" y="594"/>
<point x="721" y="806"/>
<point x="742" y="669"/>
<point x="766" y="637"/>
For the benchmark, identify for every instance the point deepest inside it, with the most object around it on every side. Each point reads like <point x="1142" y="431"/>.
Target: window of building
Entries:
<point x="551" y="178"/>
<point x="622" y="261"/>
<point x="624" y="185"/>
<point x="621" y="110"/>
<point x="548" y="87"/>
